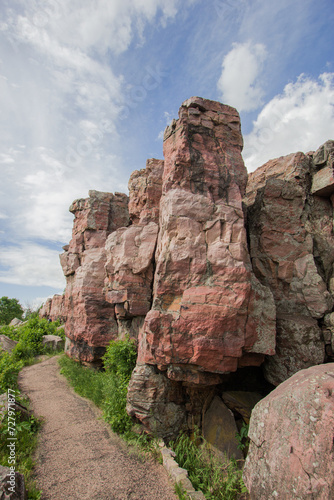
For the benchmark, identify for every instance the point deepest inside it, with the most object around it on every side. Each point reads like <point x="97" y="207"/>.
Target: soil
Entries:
<point x="78" y="457"/>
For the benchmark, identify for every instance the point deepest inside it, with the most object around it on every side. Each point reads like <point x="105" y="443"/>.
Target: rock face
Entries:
<point x="209" y="314"/>
<point x="54" y="308"/>
<point x="209" y="311"/>
<point x="90" y="322"/>
<point x="292" y="252"/>
<point x="291" y="439"/>
<point x="130" y="251"/>
<point x="213" y="273"/>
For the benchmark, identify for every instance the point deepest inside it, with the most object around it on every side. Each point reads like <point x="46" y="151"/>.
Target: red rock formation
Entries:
<point x="54" y="308"/>
<point x="291" y="439"/>
<point x="210" y="314"/>
<point x="209" y="311"/>
<point x="90" y="321"/>
<point x="130" y="251"/>
<point x="292" y="251"/>
<point x="171" y="266"/>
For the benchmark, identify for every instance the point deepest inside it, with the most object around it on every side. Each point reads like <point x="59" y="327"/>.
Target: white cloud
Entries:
<point x="239" y="82"/>
<point x="300" y="119"/>
<point x="61" y="96"/>
<point x="31" y="264"/>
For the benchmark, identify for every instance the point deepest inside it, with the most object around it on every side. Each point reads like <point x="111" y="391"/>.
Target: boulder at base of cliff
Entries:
<point x="291" y="453"/>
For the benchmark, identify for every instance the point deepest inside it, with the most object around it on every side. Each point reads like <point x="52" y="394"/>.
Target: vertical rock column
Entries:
<point x="90" y="323"/>
<point x="209" y="314"/>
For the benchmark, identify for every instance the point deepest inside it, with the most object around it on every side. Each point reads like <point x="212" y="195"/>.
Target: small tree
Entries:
<point x="9" y="309"/>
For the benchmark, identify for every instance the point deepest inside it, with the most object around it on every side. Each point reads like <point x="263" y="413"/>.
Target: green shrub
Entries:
<point x="120" y="357"/>
<point x="119" y="362"/>
<point x="218" y="480"/>
<point x="26" y="442"/>
<point x="9" y="370"/>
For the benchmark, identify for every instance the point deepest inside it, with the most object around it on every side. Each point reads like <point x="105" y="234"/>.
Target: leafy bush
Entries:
<point x="119" y="362"/>
<point x="120" y="357"/>
<point x="216" y="479"/>
<point x="9" y="370"/>
<point x="26" y="442"/>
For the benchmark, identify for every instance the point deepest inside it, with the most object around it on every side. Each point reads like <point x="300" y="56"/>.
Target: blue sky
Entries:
<point x="88" y="86"/>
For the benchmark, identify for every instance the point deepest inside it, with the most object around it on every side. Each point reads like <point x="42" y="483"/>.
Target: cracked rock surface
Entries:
<point x="291" y="453"/>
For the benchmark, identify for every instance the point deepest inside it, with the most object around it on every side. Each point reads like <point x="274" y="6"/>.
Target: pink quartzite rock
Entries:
<point x="90" y="321"/>
<point x="209" y="311"/>
<point x="54" y="309"/>
<point x="145" y="188"/>
<point x="130" y="251"/>
<point x="292" y="252"/>
<point x="291" y="439"/>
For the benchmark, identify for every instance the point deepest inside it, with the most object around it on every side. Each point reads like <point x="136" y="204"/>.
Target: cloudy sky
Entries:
<point x="88" y="86"/>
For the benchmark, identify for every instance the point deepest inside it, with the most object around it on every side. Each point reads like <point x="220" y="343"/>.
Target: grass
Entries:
<point x="217" y="479"/>
<point x="25" y="445"/>
<point x="107" y="389"/>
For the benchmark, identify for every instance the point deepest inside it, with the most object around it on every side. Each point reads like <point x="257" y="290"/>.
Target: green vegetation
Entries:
<point x="242" y="437"/>
<point x="9" y="309"/>
<point x="26" y="434"/>
<point x="107" y="389"/>
<point x="216" y="479"/>
<point x="181" y="493"/>
<point x="29" y="337"/>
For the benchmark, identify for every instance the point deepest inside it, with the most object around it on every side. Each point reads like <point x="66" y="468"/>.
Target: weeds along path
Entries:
<point x="77" y="456"/>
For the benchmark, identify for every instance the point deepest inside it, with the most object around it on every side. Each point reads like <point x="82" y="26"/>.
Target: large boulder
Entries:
<point x="292" y="251"/>
<point x="291" y="439"/>
<point x="53" y="342"/>
<point x="7" y="344"/>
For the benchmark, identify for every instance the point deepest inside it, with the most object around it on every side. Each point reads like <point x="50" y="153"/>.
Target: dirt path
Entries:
<point x="77" y="456"/>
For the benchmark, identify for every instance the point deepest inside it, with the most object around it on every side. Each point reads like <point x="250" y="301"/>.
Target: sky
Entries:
<point x="87" y="88"/>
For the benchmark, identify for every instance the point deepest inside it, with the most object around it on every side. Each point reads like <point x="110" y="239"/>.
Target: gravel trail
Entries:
<point x="78" y="457"/>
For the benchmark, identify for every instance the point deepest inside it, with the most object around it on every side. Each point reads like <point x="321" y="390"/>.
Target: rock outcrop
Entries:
<point x="130" y="251"/>
<point x="290" y="221"/>
<point x="209" y="311"/>
<point x="214" y="273"/>
<point x="54" y="309"/>
<point x="291" y="439"/>
<point x="90" y="321"/>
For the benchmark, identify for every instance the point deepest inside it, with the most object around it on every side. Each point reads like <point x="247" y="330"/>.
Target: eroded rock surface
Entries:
<point x="209" y="314"/>
<point x="213" y="274"/>
<point x="130" y="251"/>
<point x="209" y="311"/>
<point x="90" y="323"/>
<point x="54" y="308"/>
<point x="292" y="252"/>
<point x="291" y="439"/>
